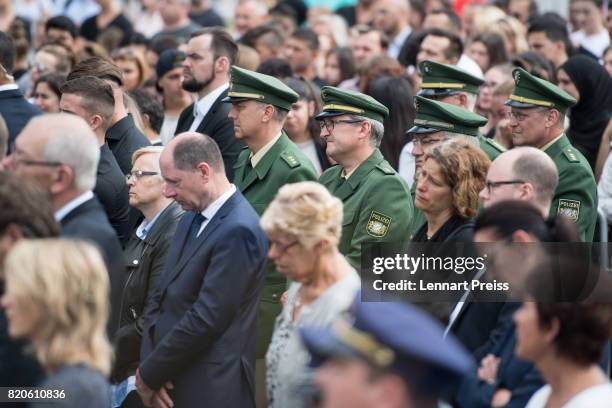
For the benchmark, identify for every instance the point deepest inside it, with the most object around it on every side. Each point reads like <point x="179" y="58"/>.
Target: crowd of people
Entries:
<point x="190" y="194"/>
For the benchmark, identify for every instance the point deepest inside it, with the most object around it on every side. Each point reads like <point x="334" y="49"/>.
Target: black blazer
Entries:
<point x="112" y="191"/>
<point x="16" y="112"/>
<point x="200" y="325"/>
<point x="88" y="222"/>
<point x="144" y="264"/>
<point x="124" y="138"/>
<point x="219" y="127"/>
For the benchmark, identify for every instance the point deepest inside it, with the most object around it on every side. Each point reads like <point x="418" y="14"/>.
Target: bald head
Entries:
<point x="523" y="173"/>
<point x="190" y="149"/>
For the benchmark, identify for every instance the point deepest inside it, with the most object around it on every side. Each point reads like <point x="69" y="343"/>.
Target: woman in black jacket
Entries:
<point x="145" y="255"/>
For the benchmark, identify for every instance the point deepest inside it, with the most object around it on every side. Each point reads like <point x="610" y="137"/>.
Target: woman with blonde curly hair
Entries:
<point x="303" y="224"/>
<point x="57" y="298"/>
<point x="447" y="190"/>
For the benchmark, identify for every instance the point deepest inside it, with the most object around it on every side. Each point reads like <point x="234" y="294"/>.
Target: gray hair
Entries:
<point x="280" y="114"/>
<point x="72" y="142"/>
<point x="378" y="129"/>
<point x="536" y="168"/>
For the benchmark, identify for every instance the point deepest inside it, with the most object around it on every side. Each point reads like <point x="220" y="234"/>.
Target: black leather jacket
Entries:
<point x="144" y="265"/>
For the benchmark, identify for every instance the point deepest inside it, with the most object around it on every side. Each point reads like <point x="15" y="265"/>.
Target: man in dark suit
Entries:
<point x="122" y="135"/>
<point x="15" y="110"/>
<point x="60" y="153"/>
<point x="199" y="332"/>
<point x="210" y="55"/>
<point x="92" y="99"/>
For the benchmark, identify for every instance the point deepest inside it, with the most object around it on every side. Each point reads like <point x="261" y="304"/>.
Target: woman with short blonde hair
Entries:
<point x="57" y="298"/>
<point x="304" y="223"/>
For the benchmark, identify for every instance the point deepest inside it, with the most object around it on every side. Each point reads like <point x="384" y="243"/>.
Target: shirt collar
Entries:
<point x="144" y="227"/>
<point x="399" y="39"/>
<point x="210" y="211"/>
<point x="8" y="87"/>
<point x="203" y="105"/>
<point x="71" y="205"/>
<point x="552" y="142"/>
<point x="256" y="158"/>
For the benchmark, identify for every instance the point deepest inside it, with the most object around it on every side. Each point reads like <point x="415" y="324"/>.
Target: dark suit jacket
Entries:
<point x="16" y="112"/>
<point x="88" y="222"/>
<point x="200" y="326"/>
<point x="112" y="191"/>
<point x="219" y="127"/>
<point x="124" y="138"/>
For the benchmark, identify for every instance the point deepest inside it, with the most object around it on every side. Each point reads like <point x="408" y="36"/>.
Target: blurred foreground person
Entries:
<point x="26" y="213"/>
<point x="57" y="297"/>
<point x="369" y="364"/>
<point x="304" y="223"/>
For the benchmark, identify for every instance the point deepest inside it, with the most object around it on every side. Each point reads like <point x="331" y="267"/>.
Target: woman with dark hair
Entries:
<point x="535" y="64"/>
<point x="339" y="66"/>
<point x="487" y="49"/>
<point x="396" y="94"/>
<point x="46" y="93"/>
<point x="301" y="127"/>
<point x="588" y="82"/>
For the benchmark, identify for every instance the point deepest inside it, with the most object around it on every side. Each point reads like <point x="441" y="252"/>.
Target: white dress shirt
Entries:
<point x="202" y="106"/>
<point x="210" y="211"/>
<point x="72" y="204"/>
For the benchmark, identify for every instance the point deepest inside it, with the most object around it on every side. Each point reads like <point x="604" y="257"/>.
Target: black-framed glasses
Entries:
<point x="330" y="124"/>
<point x="425" y="141"/>
<point x="490" y="185"/>
<point x="137" y="174"/>
<point x="28" y="162"/>
<point x="519" y="116"/>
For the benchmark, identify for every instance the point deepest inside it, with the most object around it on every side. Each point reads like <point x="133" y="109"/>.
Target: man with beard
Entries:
<point x="210" y="54"/>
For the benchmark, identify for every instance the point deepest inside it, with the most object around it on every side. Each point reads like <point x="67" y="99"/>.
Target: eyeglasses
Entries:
<point x="330" y="124"/>
<point x="490" y="185"/>
<point x="137" y="174"/>
<point x="282" y="249"/>
<point x="519" y="117"/>
<point x="27" y="162"/>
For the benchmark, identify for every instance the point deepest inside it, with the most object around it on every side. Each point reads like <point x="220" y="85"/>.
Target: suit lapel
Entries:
<point x="203" y="128"/>
<point x="212" y="225"/>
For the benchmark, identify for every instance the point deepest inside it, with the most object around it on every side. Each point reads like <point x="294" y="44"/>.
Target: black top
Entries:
<point x="455" y="229"/>
<point x="90" y="30"/>
<point x="123" y="139"/>
<point x="16" y="112"/>
<point x="207" y="18"/>
<point x="112" y="191"/>
<point x="83" y="387"/>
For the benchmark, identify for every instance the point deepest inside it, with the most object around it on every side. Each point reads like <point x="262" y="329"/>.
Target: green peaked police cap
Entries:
<point x="443" y="79"/>
<point x="247" y="85"/>
<point x="338" y="101"/>
<point x="531" y="92"/>
<point x="433" y="116"/>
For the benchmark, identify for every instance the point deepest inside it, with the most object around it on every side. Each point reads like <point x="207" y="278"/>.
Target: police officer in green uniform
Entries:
<point x="377" y="204"/>
<point x="260" y="104"/>
<point x="450" y="84"/>
<point x="537" y="119"/>
<point x="434" y="123"/>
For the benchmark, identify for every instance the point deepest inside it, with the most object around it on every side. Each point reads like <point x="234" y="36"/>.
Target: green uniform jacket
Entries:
<point x="490" y="147"/>
<point x="576" y="193"/>
<point x="377" y="205"/>
<point x="283" y="164"/>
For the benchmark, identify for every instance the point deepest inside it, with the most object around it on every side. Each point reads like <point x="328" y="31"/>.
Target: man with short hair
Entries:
<point x="177" y="24"/>
<point x="392" y="17"/>
<point x="14" y="108"/>
<point x="547" y="35"/>
<point x="301" y="50"/>
<point x="377" y="205"/>
<point x="537" y="115"/>
<point x="92" y="99"/>
<point x="61" y="30"/>
<point x="365" y="42"/>
<point x="249" y="14"/>
<point x="199" y="329"/>
<point x="259" y="107"/>
<point x="122" y="135"/>
<point x="60" y="153"/>
<point x="266" y="39"/>
<point x="444" y="19"/>
<point x="210" y="55"/>
<point x="523" y="173"/>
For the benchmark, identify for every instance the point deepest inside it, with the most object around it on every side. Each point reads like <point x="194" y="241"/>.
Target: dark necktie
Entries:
<point x="247" y="170"/>
<point x="192" y="235"/>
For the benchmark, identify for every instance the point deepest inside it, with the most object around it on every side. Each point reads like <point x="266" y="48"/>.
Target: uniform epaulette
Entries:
<point x="385" y="168"/>
<point x="570" y="154"/>
<point x="290" y="159"/>
<point x="495" y="145"/>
